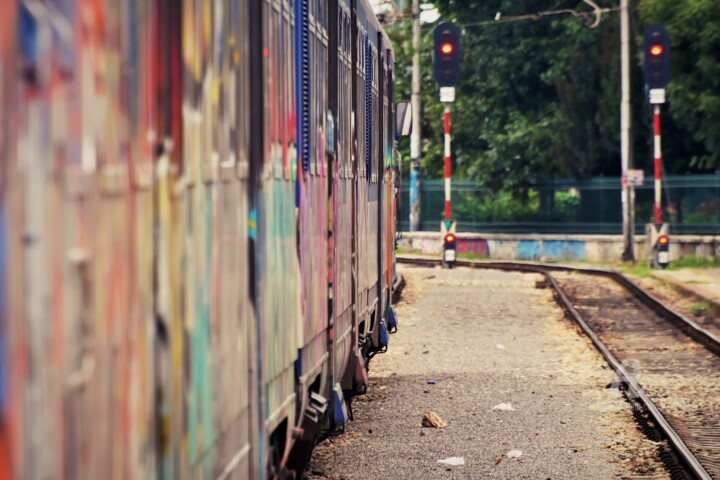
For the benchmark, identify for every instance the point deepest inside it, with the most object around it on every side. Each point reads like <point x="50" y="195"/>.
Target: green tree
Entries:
<point x="540" y="98"/>
<point x="694" y="90"/>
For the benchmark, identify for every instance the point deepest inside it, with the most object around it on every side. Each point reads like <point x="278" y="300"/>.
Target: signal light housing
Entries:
<point x="662" y="251"/>
<point x="449" y="249"/>
<point x="656" y="64"/>
<point x="446" y="55"/>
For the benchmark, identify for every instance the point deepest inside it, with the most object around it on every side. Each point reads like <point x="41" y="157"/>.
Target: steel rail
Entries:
<point x="697" y="333"/>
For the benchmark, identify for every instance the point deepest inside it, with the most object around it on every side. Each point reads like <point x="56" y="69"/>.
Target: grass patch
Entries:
<point x="471" y="256"/>
<point x="406" y="251"/>
<point x="699" y="308"/>
<point x="413" y="252"/>
<point x="641" y="270"/>
<point x="693" y="262"/>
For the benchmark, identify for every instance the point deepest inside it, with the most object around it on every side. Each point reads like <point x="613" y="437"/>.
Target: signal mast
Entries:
<point x="446" y="66"/>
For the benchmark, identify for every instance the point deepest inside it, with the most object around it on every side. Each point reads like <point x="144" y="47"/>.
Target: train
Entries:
<point x="198" y="221"/>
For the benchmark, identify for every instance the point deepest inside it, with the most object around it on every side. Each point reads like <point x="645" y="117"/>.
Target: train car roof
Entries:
<point x="373" y="22"/>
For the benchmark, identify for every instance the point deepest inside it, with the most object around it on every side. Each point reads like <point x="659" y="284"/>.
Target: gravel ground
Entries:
<point x="468" y="341"/>
<point x="677" y="373"/>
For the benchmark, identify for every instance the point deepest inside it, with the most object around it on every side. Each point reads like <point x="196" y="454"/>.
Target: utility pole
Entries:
<point x="415" y="138"/>
<point x="628" y="254"/>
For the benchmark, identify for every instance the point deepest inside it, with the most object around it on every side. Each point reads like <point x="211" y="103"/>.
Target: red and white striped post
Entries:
<point x="448" y="209"/>
<point x="658" y="167"/>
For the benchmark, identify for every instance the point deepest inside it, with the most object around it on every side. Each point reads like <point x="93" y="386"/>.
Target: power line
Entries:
<point x="499" y="19"/>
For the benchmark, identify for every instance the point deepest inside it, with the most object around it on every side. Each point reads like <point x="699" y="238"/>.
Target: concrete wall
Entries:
<point x="594" y="248"/>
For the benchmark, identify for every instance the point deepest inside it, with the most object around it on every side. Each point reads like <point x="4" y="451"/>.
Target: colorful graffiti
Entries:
<point x="166" y="259"/>
<point x="475" y="246"/>
<point x="126" y="350"/>
<point x="556" y="249"/>
<point x="4" y="357"/>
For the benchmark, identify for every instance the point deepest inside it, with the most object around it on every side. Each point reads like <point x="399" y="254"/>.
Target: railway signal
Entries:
<point x="658" y="242"/>
<point x="446" y="66"/>
<point x="656" y="69"/>
<point x="656" y="62"/>
<point x="446" y="58"/>
<point x="662" y="251"/>
<point x="449" y="249"/>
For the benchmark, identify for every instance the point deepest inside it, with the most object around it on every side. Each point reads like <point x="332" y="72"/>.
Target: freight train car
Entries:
<point x="197" y="226"/>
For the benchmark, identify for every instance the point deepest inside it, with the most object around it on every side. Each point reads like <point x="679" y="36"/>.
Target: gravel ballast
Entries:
<point x="523" y="393"/>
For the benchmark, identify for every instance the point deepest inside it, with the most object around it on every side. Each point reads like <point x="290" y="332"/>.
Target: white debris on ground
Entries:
<point x="454" y="461"/>
<point x="504" y="407"/>
<point x="514" y="454"/>
<point x="565" y="421"/>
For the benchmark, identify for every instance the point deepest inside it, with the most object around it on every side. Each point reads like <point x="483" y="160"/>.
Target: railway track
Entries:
<point x="668" y="366"/>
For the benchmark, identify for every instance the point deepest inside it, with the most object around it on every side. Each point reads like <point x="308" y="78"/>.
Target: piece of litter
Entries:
<point x="432" y="420"/>
<point x="514" y="454"/>
<point x="504" y="407"/>
<point x="501" y="347"/>
<point x="431" y="382"/>
<point x="455" y="461"/>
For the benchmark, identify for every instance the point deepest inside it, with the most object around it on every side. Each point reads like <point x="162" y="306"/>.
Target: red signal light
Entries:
<point x="663" y="240"/>
<point x="449" y="238"/>
<point x="447" y="48"/>
<point x="656" y="50"/>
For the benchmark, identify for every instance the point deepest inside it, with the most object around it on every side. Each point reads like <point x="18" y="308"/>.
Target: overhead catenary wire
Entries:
<point x="499" y="19"/>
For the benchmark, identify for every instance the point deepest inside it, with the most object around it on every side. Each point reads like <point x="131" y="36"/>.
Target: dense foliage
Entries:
<point x="694" y="27"/>
<point x="540" y="97"/>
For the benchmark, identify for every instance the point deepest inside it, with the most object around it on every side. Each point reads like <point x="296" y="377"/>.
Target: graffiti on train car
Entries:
<point x="4" y="354"/>
<point x="8" y="38"/>
<point x="167" y="312"/>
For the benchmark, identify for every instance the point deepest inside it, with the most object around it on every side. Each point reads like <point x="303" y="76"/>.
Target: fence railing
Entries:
<point x="691" y="204"/>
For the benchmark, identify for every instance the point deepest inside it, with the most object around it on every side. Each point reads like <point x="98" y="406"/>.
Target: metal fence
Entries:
<point x="691" y="204"/>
